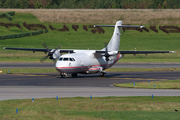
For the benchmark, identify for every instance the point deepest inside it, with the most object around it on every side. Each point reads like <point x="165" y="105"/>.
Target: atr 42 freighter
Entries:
<point x="89" y="61"/>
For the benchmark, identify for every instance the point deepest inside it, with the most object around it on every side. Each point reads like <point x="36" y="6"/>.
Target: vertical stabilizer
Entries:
<point x="115" y="40"/>
<point x="114" y="43"/>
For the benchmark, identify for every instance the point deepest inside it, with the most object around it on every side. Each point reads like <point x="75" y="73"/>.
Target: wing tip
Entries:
<point x="172" y="52"/>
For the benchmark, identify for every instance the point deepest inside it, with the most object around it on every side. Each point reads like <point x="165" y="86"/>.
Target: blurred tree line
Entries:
<point x="91" y="4"/>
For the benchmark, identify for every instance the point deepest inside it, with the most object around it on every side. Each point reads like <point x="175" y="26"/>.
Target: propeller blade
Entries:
<point x="107" y="59"/>
<point x="50" y="53"/>
<point x="58" y="47"/>
<point x="44" y="58"/>
<point x="45" y="46"/>
<point x="105" y="43"/>
<point x="106" y="53"/>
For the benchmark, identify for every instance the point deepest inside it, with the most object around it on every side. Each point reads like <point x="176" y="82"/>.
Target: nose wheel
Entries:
<point x="63" y="75"/>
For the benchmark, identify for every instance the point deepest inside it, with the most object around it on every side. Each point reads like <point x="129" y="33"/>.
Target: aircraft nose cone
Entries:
<point x="59" y="66"/>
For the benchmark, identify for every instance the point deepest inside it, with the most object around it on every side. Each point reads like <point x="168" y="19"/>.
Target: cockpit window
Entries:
<point x="60" y="59"/>
<point x="66" y="59"/>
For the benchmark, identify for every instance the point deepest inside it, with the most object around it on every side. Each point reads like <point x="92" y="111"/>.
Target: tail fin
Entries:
<point x="114" y="43"/>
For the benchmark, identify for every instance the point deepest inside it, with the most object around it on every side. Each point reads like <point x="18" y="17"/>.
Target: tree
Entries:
<point x="38" y="4"/>
<point x="157" y="3"/>
<point x="164" y="5"/>
<point x="22" y="3"/>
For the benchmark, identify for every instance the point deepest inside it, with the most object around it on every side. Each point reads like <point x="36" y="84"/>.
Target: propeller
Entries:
<point x="106" y="52"/>
<point x="50" y="53"/>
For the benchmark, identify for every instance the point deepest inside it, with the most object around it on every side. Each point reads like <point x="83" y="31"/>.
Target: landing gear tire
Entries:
<point x="74" y="75"/>
<point x="63" y="75"/>
<point x="102" y="74"/>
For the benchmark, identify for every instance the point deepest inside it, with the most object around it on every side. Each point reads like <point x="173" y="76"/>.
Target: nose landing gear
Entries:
<point x="63" y="75"/>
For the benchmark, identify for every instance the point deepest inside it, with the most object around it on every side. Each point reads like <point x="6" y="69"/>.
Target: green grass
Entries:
<point x="28" y="70"/>
<point x="105" y="108"/>
<point x="130" y="40"/>
<point x="170" y="84"/>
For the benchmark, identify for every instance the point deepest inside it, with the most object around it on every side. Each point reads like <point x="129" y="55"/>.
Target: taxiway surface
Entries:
<point x="92" y="80"/>
<point x="26" y="86"/>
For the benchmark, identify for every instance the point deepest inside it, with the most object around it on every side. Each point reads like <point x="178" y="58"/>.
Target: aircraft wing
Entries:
<point x="39" y="50"/>
<point x="144" y="52"/>
<point x="97" y="51"/>
<point x="138" y="52"/>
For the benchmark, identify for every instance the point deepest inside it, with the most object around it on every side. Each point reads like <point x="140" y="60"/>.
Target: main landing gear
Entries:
<point x="102" y="74"/>
<point x="74" y="75"/>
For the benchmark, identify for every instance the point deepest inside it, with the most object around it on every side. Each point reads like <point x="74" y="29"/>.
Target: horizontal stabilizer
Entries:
<point x="118" y="26"/>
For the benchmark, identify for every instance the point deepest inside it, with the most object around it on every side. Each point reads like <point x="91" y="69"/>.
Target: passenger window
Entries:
<point x="73" y="59"/>
<point x="65" y="59"/>
<point x="60" y="59"/>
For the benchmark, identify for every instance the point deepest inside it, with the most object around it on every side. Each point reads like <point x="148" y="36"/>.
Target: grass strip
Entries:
<point x="104" y="108"/>
<point x="27" y="70"/>
<point x="170" y="84"/>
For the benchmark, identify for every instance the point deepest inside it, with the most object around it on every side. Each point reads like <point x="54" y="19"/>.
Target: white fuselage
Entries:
<point x="84" y="61"/>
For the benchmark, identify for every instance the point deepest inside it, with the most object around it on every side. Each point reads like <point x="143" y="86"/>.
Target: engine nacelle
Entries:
<point x="113" y="53"/>
<point x="55" y="55"/>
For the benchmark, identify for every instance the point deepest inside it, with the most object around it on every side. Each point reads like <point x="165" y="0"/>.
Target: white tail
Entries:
<point x="115" y="40"/>
<point x="114" y="43"/>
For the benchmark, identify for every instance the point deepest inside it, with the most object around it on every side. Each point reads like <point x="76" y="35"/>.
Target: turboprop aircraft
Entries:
<point x="89" y="61"/>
